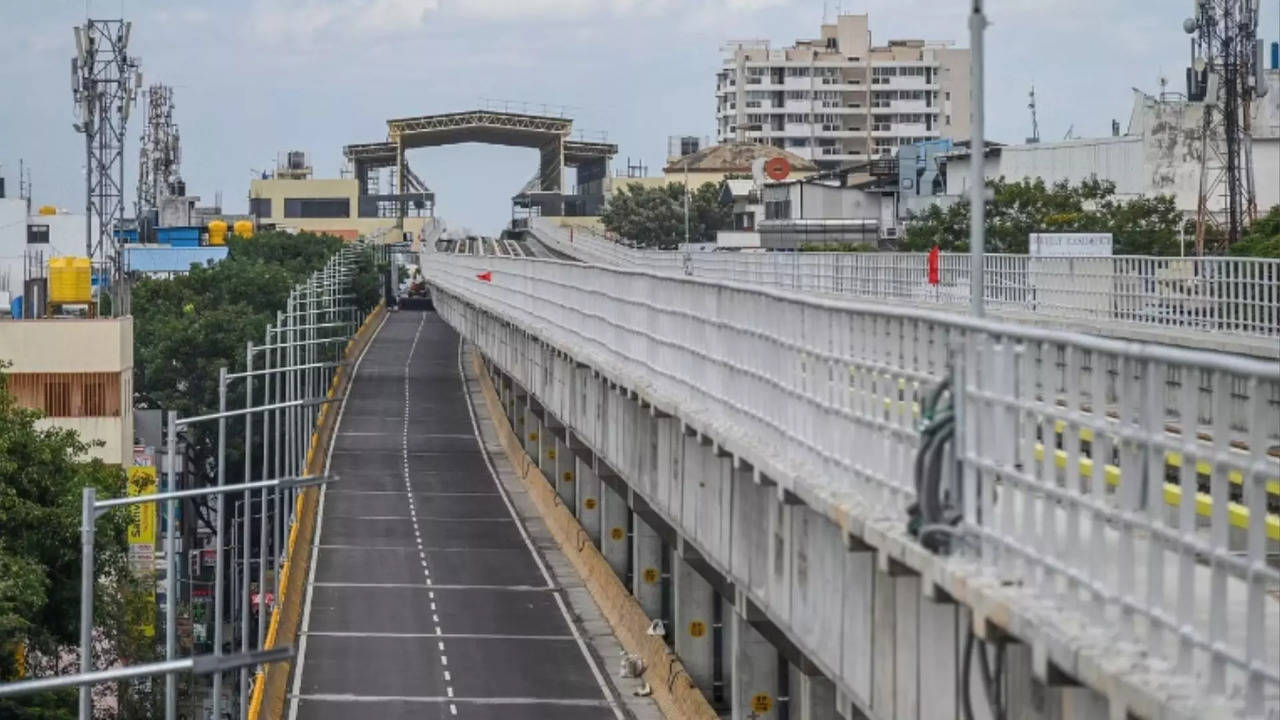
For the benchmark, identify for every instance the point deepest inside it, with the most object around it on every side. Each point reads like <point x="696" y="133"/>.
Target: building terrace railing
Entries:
<point x="1218" y="302"/>
<point x="1063" y="441"/>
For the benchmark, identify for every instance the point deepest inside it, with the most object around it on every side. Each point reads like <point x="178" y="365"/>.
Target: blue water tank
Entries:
<point x="1275" y="56"/>
<point x="15" y="307"/>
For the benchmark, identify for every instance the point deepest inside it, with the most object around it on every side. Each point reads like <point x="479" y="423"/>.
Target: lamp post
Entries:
<point x="977" y="162"/>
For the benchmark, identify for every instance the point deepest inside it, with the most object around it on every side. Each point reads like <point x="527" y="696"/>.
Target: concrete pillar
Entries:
<point x="531" y="432"/>
<point x="546" y="453"/>
<point x="812" y="697"/>
<point x="694" y="613"/>
<point x="646" y="579"/>
<point x="724" y="649"/>
<point x="755" y="673"/>
<point x="614" y="530"/>
<point x="565" y="476"/>
<point x="587" y="499"/>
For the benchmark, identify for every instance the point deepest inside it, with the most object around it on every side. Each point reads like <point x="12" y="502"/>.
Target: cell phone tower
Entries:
<point x="160" y="154"/>
<point x="104" y="83"/>
<point x="1225" y="76"/>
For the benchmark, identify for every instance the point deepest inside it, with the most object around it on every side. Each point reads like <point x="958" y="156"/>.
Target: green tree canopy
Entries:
<point x="654" y="216"/>
<point x="1139" y="225"/>
<point x="42" y="473"/>
<point x="1262" y="237"/>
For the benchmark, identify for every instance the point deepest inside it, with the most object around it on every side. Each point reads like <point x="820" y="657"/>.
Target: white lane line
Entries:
<point x="408" y="488"/>
<point x="605" y="688"/>
<point x="437" y="635"/>
<point x="356" y="699"/>
<point x="315" y="548"/>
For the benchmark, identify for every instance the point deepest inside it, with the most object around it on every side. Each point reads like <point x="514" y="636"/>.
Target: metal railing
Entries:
<point x="1065" y="439"/>
<point x="1236" y="296"/>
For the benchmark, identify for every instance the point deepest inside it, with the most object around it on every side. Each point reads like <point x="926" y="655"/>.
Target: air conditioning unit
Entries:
<point x="889" y="233"/>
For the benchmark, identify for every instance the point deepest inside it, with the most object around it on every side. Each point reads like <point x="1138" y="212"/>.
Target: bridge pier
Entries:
<point x="615" y="529"/>
<point x="646" y="578"/>
<point x="587" y="500"/>
<point x="811" y="697"/>
<point x="694" y="615"/>
<point x="755" y="671"/>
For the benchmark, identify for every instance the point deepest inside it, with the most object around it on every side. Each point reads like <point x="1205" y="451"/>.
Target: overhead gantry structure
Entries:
<point x="549" y="135"/>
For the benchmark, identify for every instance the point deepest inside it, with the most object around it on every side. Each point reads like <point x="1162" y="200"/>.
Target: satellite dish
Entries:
<point x="777" y="168"/>
<point x="1199" y="64"/>
<point x="1189" y="26"/>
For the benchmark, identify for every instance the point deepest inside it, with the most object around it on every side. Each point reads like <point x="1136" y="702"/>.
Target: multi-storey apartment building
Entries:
<point x="839" y="99"/>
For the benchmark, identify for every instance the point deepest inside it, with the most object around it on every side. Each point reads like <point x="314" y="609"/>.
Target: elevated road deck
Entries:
<point x="427" y="597"/>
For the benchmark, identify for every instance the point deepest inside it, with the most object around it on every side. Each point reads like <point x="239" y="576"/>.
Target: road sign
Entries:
<point x="697" y="628"/>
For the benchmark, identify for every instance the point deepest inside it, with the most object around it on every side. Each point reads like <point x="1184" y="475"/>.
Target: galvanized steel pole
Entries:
<point x="262" y="497"/>
<point x="87" y="519"/>
<point x="977" y="162"/>
<point x="245" y="536"/>
<point x="218" y="569"/>
<point x="171" y="570"/>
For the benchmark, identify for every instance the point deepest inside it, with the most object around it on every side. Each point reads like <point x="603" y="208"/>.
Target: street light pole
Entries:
<point x="86" y="597"/>
<point x="171" y="569"/>
<point x="219" y="540"/>
<point x="977" y="162"/>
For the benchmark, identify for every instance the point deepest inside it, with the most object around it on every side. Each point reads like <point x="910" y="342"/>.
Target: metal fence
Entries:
<point x="1066" y="440"/>
<point x="1239" y="296"/>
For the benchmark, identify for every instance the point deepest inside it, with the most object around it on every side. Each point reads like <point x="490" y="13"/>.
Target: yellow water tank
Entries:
<point x="243" y="229"/>
<point x="70" y="280"/>
<point x="48" y="210"/>
<point x="217" y="233"/>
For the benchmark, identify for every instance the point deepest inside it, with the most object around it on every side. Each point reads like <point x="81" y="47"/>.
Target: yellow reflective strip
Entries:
<point x="1237" y="514"/>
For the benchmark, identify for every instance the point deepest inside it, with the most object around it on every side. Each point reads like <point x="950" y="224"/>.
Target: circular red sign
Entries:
<point x="777" y="168"/>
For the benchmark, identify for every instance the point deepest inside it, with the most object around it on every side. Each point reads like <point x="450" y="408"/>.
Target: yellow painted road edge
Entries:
<point x="287" y="609"/>
<point x="673" y="689"/>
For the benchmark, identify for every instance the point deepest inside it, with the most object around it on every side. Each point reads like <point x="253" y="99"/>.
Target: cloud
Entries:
<point x="312" y="20"/>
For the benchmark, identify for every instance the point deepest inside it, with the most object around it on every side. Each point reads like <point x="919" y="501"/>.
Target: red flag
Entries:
<point x="486" y="276"/>
<point x="934" y="256"/>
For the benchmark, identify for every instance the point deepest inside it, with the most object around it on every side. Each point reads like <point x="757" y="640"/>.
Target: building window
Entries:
<point x="65" y="395"/>
<point x="948" y="95"/>
<point x="831" y="43"/>
<point x="317" y="207"/>
<point x="260" y="207"/>
<point x="777" y="209"/>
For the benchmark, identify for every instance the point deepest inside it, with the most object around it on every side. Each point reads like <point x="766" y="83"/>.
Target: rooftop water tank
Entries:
<point x="48" y="210"/>
<point x="243" y="229"/>
<point x="70" y="280"/>
<point x="217" y="232"/>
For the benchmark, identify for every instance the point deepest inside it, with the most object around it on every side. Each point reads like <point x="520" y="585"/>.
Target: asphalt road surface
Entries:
<point x="427" y="600"/>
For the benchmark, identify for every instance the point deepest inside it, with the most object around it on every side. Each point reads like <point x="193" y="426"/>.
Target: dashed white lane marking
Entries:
<point x="413" y="513"/>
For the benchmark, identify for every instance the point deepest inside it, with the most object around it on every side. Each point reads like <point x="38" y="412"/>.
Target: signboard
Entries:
<point x="1070" y="245"/>
<point x="142" y="520"/>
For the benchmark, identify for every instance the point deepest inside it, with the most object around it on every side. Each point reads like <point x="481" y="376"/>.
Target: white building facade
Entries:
<point x="840" y="99"/>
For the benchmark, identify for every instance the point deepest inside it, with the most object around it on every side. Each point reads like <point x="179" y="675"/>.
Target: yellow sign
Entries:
<point x="142" y="520"/>
<point x="616" y="533"/>
<point x="568" y="476"/>
<point x="551" y="454"/>
<point x="761" y="702"/>
<point x="589" y="503"/>
<point x="697" y="628"/>
<point x="650" y="575"/>
<point x="533" y="436"/>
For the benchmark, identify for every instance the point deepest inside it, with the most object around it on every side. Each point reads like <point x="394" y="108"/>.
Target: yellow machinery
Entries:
<point x="70" y="281"/>
<point x="243" y="229"/>
<point x="217" y="233"/>
<point x="48" y="210"/>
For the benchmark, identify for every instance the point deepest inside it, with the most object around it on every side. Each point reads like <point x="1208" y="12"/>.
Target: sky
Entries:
<point x="254" y="78"/>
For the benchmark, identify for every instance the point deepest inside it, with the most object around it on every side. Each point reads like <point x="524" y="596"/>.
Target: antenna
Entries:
<point x="103" y="87"/>
<point x="1222" y="78"/>
<point x="1035" y="124"/>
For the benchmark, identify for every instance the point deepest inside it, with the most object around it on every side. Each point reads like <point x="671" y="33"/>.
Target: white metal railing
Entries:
<point x="1064" y="437"/>
<point x="1239" y="296"/>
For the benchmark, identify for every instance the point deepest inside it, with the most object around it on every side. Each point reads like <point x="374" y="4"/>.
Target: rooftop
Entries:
<point x="735" y="157"/>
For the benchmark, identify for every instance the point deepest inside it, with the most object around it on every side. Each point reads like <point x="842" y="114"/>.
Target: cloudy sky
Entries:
<point x="256" y="77"/>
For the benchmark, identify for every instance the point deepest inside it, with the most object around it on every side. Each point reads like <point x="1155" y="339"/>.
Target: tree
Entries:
<point x="1261" y="238"/>
<point x="653" y="217"/>
<point x="1015" y="210"/>
<point x="42" y="473"/>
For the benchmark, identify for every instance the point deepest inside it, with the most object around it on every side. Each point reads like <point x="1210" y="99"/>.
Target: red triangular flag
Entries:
<point x="486" y="276"/>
